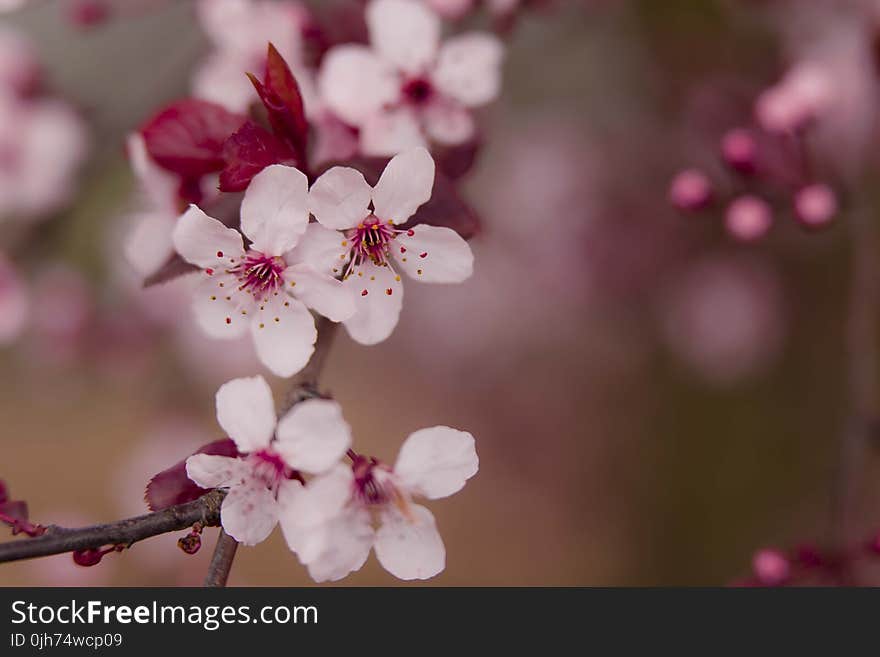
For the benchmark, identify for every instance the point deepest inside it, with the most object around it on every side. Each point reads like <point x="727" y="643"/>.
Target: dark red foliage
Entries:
<point x="172" y="486"/>
<point x="282" y="98"/>
<point x="92" y="556"/>
<point x="15" y="514"/>
<point x="249" y="150"/>
<point x="187" y="137"/>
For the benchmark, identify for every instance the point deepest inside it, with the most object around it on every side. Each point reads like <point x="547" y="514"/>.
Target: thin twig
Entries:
<point x="58" y="540"/>
<point x="221" y="562"/>
<point x="863" y="332"/>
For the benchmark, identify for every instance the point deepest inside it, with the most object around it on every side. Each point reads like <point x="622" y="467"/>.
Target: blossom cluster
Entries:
<point x="311" y="190"/>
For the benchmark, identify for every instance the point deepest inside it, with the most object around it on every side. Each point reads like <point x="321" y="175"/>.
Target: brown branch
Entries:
<point x="221" y="562"/>
<point x="58" y="540"/>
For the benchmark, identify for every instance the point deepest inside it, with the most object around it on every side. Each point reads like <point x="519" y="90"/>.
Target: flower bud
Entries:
<point x="738" y="148"/>
<point x="690" y="190"/>
<point x="815" y="205"/>
<point x="771" y="567"/>
<point x="190" y="543"/>
<point x="748" y="218"/>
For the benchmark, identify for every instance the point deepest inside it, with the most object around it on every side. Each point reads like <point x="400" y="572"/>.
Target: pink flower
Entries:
<point x="451" y="9"/>
<point x="368" y="247"/>
<point x="310" y="438"/>
<point x="803" y="95"/>
<point x="42" y="142"/>
<point x="328" y="523"/>
<point x="269" y="286"/>
<point x="240" y="30"/>
<point x="690" y="190"/>
<point x="405" y="88"/>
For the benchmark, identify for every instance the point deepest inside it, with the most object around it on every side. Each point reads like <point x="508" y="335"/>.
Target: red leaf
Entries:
<point x="172" y="486"/>
<point x="248" y="151"/>
<point x="283" y="100"/>
<point x="187" y="136"/>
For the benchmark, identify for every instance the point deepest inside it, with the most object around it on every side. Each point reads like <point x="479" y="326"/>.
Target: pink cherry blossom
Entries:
<point x="690" y="190"/>
<point x="239" y="31"/>
<point x="310" y="438"/>
<point x="328" y="523"/>
<point x="42" y="142"/>
<point x="815" y="205"/>
<point x="364" y="246"/>
<point x="451" y="9"/>
<point x="269" y="286"/>
<point x="406" y="88"/>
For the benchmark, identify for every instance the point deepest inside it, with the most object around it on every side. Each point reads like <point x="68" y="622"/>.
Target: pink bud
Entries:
<point x="88" y="13"/>
<point x="771" y="567"/>
<point x="690" y="190"/>
<point x="748" y="218"/>
<point x="738" y="148"/>
<point x="815" y="205"/>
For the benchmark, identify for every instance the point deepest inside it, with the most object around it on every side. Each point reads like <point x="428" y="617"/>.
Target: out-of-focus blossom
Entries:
<point x="771" y="567"/>
<point x="328" y="522"/>
<point x="739" y="150"/>
<point x="14" y="302"/>
<point x="407" y="88"/>
<point x="364" y="246"/>
<point x="748" y="218"/>
<point x="690" y="190"/>
<point x="239" y="31"/>
<point x="12" y="5"/>
<point x="312" y="437"/>
<point x="724" y="319"/>
<point x="815" y="205"/>
<point x="62" y="308"/>
<point x="451" y="9"/>
<point x="801" y="96"/>
<point x="268" y="287"/>
<point x="19" y="70"/>
<point x="42" y="142"/>
<point x="149" y="245"/>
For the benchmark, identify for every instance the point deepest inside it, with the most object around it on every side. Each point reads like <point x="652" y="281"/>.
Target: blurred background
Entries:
<point x="652" y="398"/>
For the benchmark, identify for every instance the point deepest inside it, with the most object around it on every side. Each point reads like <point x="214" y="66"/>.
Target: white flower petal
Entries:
<point x="378" y="295"/>
<point x="159" y="185"/>
<point x="313" y="436"/>
<point x="214" y="471"/>
<point x="218" y="306"/>
<point x="404" y="33"/>
<point x="219" y="79"/>
<point x="198" y="238"/>
<point x="274" y="212"/>
<point x="410" y="548"/>
<point x="246" y="411"/>
<point x="341" y="545"/>
<point x="340" y="198"/>
<point x="469" y="68"/>
<point x="436" y="462"/>
<point x="149" y="245"/>
<point x="354" y="83"/>
<point x="249" y="512"/>
<point x="322" y="249"/>
<point x="284" y="335"/>
<point x="322" y="499"/>
<point x="321" y="292"/>
<point x="391" y="131"/>
<point x="434" y="255"/>
<point x="405" y="184"/>
<point x="448" y="123"/>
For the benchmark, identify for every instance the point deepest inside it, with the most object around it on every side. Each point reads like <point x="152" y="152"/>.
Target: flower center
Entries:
<point x="370" y="240"/>
<point x="259" y="274"/>
<point x="417" y="91"/>
<point x="374" y="486"/>
<point x="270" y="468"/>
